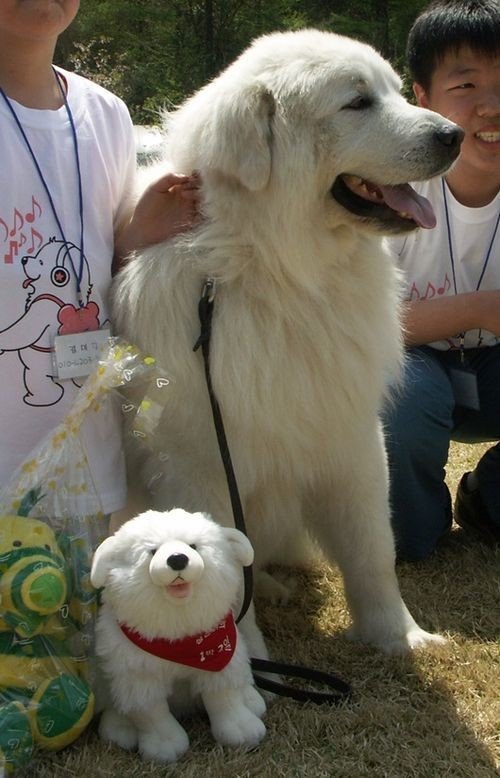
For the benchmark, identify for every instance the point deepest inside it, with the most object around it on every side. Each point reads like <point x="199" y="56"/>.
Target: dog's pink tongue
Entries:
<point x="404" y="199"/>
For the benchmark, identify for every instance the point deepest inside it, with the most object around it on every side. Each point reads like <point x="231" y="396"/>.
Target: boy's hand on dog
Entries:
<point x="166" y="208"/>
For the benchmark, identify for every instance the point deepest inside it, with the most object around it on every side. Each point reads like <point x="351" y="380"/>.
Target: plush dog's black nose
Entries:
<point x="450" y="136"/>
<point x="177" y="561"/>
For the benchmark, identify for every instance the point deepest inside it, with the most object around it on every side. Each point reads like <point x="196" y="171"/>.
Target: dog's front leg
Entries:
<point x="160" y="736"/>
<point x="353" y="525"/>
<point x="117" y="728"/>
<point x="233" y="704"/>
<point x="154" y="730"/>
<point x="233" y="722"/>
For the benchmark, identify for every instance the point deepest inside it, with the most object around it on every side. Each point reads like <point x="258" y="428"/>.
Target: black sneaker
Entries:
<point x="471" y="513"/>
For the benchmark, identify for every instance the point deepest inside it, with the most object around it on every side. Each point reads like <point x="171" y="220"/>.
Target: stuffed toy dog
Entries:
<point x="170" y="582"/>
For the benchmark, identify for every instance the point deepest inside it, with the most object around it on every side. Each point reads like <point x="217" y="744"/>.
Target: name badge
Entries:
<point x="77" y="355"/>
<point x="464" y="383"/>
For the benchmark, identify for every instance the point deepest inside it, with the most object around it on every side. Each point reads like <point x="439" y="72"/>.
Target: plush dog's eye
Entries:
<point x="358" y="103"/>
<point x="152" y="551"/>
<point x="192" y="545"/>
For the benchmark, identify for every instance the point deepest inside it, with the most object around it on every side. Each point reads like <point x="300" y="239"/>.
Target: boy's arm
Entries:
<point x="167" y="207"/>
<point x="426" y="321"/>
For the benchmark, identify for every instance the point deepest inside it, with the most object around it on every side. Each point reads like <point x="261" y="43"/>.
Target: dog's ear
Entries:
<point x="104" y="558"/>
<point x="239" y="142"/>
<point x="242" y="548"/>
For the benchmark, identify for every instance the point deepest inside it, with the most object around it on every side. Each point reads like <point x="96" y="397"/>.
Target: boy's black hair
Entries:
<point x="448" y="25"/>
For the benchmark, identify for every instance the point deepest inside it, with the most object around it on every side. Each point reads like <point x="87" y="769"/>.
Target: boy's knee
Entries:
<point x="418" y="532"/>
<point x="414" y="552"/>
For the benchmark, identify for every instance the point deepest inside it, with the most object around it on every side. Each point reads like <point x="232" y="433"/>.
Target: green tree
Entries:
<point x="154" y="53"/>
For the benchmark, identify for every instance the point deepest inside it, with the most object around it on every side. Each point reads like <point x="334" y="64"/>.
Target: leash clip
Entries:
<point x="208" y="290"/>
<point x="205" y="307"/>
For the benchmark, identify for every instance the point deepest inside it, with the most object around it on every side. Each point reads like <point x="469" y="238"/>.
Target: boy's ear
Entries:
<point x="420" y="95"/>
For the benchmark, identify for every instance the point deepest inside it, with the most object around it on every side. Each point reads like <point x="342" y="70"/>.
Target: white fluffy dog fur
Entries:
<point x="304" y="145"/>
<point x="172" y="575"/>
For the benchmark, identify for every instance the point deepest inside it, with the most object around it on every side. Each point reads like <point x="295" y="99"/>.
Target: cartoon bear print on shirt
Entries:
<point x="50" y="282"/>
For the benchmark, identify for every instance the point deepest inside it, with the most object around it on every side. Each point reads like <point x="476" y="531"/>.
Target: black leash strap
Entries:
<point x="205" y="311"/>
<point x="341" y="689"/>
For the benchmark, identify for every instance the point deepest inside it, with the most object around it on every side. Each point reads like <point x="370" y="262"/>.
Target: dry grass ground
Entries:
<point x="434" y="714"/>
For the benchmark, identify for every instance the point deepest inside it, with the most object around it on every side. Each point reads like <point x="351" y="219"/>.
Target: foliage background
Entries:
<point x="153" y="53"/>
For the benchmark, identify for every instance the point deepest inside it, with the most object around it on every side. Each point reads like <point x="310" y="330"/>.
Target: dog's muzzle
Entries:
<point x="175" y="560"/>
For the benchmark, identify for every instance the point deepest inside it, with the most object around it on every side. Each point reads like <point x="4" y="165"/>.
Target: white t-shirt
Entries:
<point x="37" y="271"/>
<point x="424" y="255"/>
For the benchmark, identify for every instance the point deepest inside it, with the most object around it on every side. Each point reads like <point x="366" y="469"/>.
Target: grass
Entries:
<point x="433" y="714"/>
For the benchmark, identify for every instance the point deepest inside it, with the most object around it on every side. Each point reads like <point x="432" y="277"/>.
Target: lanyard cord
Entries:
<point x="452" y="258"/>
<point x="450" y="243"/>
<point x="78" y="275"/>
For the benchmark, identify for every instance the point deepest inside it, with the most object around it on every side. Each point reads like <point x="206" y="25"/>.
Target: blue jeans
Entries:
<point x="420" y="421"/>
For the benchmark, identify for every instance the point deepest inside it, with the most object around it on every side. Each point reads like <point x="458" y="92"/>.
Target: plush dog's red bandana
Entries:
<point x="207" y="651"/>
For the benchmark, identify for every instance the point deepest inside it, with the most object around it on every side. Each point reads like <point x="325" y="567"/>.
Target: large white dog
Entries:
<point x="305" y="146"/>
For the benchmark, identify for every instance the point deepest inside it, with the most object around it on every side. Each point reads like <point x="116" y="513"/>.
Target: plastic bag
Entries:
<point x="47" y="603"/>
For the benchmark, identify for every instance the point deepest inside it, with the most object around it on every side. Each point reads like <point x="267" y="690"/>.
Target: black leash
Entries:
<point x="341" y="690"/>
<point x="205" y="310"/>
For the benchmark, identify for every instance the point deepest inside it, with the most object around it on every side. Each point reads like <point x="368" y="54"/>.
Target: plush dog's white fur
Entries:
<point x="146" y="591"/>
<point x="306" y="335"/>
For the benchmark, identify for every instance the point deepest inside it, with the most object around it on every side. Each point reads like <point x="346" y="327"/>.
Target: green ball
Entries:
<point x="47" y="592"/>
<point x="16" y="738"/>
<point x="63" y="707"/>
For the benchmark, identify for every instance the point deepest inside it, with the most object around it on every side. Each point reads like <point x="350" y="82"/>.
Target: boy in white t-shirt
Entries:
<point x="452" y="312"/>
<point x="67" y="170"/>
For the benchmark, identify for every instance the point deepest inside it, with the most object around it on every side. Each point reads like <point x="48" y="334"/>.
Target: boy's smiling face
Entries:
<point x="465" y="88"/>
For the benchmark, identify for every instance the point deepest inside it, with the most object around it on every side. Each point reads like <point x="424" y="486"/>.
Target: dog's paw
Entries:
<point x="419" y="638"/>
<point x="241" y="728"/>
<point x="254" y="701"/>
<point x="397" y="645"/>
<point x="116" y="728"/>
<point x="164" y="746"/>
<point x="287" y="579"/>
<point x="269" y="588"/>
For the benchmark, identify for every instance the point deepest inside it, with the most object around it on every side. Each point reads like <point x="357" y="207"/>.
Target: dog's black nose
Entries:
<point x="450" y="136"/>
<point x="177" y="561"/>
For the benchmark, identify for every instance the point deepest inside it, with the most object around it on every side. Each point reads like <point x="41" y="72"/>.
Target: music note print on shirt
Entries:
<point x="431" y="291"/>
<point x="19" y="229"/>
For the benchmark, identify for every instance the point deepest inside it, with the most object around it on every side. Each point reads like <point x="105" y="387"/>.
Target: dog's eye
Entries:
<point x="358" y="103"/>
<point x="153" y="551"/>
<point x="192" y="545"/>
